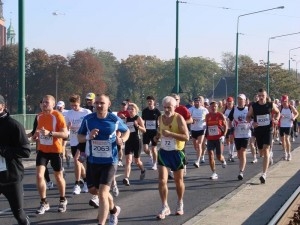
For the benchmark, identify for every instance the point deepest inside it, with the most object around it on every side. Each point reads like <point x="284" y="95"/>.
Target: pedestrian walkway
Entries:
<point x="255" y="203"/>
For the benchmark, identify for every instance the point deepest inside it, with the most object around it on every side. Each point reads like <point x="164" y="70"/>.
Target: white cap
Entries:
<point x="242" y="96"/>
<point x="60" y="104"/>
<point x="206" y="100"/>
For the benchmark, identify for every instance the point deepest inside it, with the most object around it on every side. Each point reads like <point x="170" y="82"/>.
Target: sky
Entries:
<point x="207" y="28"/>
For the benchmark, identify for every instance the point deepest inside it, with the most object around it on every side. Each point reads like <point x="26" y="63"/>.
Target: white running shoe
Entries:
<point x="115" y="191"/>
<point x="62" y="207"/>
<point x="271" y="161"/>
<point x="43" y="208"/>
<point x="254" y="160"/>
<point x="85" y="188"/>
<point x="179" y="209"/>
<point x="263" y="178"/>
<point x="76" y="189"/>
<point x="196" y="164"/>
<point x="113" y="218"/>
<point x="154" y="167"/>
<point x="94" y="201"/>
<point x="224" y="164"/>
<point x="285" y="156"/>
<point x="214" y="176"/>
<point x="289" y="157"/>
<point x="49" y="185"/>
<point x="241" y="176"/>
<point x="165" y="211"/>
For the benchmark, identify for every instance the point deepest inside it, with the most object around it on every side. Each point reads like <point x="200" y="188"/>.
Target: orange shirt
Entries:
<point x="53" y="121"/>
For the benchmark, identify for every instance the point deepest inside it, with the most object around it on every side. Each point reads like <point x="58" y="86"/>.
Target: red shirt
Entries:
<point x="125" y="113"/>
<point x="183" y="111"/>
<point x="215" y="125"/>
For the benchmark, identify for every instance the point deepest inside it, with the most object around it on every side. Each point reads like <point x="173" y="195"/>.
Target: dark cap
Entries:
<point x="2" y="100"/>
<point x="124" y="103"/>
<point x="150" y="97"/>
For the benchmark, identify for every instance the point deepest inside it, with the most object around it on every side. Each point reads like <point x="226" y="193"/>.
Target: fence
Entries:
<point x="25" y="119"/>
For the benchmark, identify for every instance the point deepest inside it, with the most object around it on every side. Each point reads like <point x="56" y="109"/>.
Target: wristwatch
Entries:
<point x="50" y="134"/>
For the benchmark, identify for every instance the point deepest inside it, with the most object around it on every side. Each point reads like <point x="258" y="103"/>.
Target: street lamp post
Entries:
<point x="290" y="57"/>
<point x="237" y="47"/>
<point x="224" y="78"/>
<point x="268" y="58"/>
<point x="213" y="94"/>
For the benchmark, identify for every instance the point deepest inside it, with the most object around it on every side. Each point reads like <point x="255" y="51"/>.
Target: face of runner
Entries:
<point x="131" y="110"/>
<point x="48" y="104"/>
<point x="102" y="103"/>
<point x="169" y="109"/>
<point x="213" y="107"/>
<point x="150" y="103"/>
<point x="75" y="105"/>
<point x="262" y="97"/>
<point x="197" y="103"/>
<point x="229" y="104"/>
<point x="241" y="102"/>
<point x="90" y="102"/>
<point x="285" y="103"/>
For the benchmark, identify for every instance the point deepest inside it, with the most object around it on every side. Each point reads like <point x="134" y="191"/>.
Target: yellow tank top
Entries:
<point x="170" y="143"/>
<point x="298" y="109"/>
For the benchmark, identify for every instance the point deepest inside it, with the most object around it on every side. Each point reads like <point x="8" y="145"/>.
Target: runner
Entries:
<point x="99" y="130"/>
<point x="51" y="129"/>
<point x="261" y="112"/>
<point x="216" y="130"/>
<point x="173" y="133"/>
<point x="242" y="132"/>
<point x="14" y="146"/>
<point x="123" y="114"/>
<point x="150" y="116"/>
<point x="229" y="139"/>
<point x="74" y="119"/>
<point x="288" y="115"/>
<point x="89" y="101"/>
<point x="135" y="125"/>
<point x="198" y="113"/>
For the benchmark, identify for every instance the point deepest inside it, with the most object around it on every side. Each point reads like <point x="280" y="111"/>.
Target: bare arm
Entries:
<point x="249" y="114"/>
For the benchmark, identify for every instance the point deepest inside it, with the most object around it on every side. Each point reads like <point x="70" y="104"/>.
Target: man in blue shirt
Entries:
<point x="102" y="131"/>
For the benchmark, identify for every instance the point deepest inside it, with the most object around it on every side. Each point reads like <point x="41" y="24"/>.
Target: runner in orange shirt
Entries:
<point x="50" y="132"/>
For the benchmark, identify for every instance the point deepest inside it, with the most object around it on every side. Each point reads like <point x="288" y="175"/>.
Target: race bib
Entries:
<point x="168" y="143"/>
<point x="213" y="130"/>
<point x="101" y="148"/>
<point x="150" y="124"/>
<point x="2" y="164"/>
<point x="263" y="120"/>
<point x="46" y="140"/>
<point x="242" y="129"/>
<point x="130" y="126"/>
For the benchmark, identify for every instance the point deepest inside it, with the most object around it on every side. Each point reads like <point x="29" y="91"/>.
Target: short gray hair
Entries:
<point x="169" y="99"/>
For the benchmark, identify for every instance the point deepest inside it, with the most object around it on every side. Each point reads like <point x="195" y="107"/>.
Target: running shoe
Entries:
<point x="196" y="164"/>
<point x="143" y="174"/>
<point x="285" y="156"/>
<point x="49" y="185"/>
<point x="76" y="189"/>
<point x="171" y="175"/>
<point x="165" y="211"/>
<point x="184" y="170"/>
<point x="126" y="181"/>
<point x="241" y="176"/>
<point x="263" y="178"/>
<point x="293" y="139"/>
<point x="115" y="191"/>
<point x="154" y="167"/>
<point x="271" y="161"/>
<point x="85" y="188"/>
<point x="224" y="164"/>
<point x="202" y="160"/>
<point x="94" y="201"/>
<point x="214" y="176"/>
<point x="62" y="207"/>
<point x="113" y="218"/>
<point x="43" y="208"/>
<point x="120" y="163"/>
<point x="179" y="209"/>
<point x="254" y="160"/>
<point x="280" y="142"/>
<point x="289" y="157"/>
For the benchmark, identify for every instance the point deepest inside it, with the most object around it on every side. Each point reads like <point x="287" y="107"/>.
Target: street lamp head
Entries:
<point x="280" y="7"/>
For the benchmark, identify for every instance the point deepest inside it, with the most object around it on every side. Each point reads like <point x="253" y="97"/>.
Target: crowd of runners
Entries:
<point x="101" y="141"/>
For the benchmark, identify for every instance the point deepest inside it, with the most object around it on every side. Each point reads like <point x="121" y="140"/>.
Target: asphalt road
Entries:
<point x="140" y="201"/>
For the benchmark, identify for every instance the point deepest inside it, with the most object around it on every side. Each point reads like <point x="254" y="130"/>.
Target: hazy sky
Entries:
<point x="207" y="28"/>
